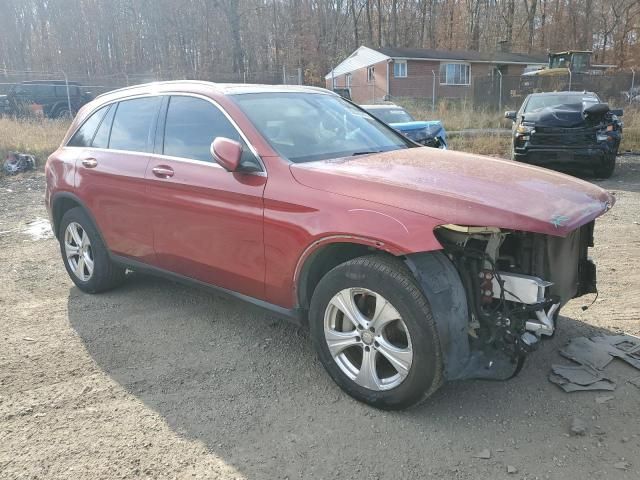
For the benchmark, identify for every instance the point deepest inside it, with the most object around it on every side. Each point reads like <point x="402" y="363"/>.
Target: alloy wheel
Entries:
<point x="368" y="339"/>
<point x="77" y="248"/>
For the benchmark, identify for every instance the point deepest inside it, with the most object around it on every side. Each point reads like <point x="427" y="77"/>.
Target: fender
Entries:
<point x="56" y="198"/>
<point x="441" y="284"/>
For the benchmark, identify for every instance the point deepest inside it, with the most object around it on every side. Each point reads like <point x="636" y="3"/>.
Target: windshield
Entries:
<point x="391" y="115"/>
<point x="560" y="61"/>
<point x="304" y="127"/>
<point x="538" y="102"/>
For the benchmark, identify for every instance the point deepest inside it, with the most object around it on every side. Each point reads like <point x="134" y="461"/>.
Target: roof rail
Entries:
<point x="164" y="82"/>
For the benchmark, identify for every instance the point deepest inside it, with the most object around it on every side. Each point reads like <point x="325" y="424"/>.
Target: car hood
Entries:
<point x="463" y="189"/>
<point x="417" y="125"/>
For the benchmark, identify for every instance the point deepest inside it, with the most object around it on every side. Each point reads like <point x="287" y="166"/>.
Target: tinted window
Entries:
<point x="101" y="139"/>
<point x="132" y="124"/>
<point x="83" y="137"/>
<point x="192" y="124"/>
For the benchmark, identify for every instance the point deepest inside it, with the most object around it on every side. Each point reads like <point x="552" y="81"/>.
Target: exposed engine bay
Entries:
<point x="516" y="282"/>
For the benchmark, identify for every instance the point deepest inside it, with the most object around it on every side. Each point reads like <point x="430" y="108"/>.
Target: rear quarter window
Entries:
<point x="84" y="135"/>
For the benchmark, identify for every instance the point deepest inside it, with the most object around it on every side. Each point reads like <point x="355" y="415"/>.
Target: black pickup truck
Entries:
<point x="567" y="130"/>
<point x="51" y="95"/>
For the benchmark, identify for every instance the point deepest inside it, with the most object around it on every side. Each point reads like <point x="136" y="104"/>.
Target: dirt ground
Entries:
<point x="158" y="380"/>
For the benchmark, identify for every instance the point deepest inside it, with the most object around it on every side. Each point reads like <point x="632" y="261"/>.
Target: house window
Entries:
<point x="455" y="74"/>
<point x="371" y="73"/>
<point x="400" y="68"/>
<point x="347" y="80"/>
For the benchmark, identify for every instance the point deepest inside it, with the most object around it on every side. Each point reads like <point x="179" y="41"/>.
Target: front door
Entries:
<point x="207" y="222"/>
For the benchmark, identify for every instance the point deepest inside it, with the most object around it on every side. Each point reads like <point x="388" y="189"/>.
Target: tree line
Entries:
<point x="247" y="39"/>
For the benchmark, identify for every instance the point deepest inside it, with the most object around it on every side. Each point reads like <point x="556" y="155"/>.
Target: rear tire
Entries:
<point x="392" y="359"/>
<point x="85" y="256"/>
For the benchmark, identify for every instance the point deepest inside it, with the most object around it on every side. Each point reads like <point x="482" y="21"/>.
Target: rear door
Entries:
<point x="110" y="176"/>
<point x="207" y="222"/>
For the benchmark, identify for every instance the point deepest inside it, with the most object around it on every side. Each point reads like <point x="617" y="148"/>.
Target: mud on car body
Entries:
<point x="567" y="129"/>
<point x="409" y="266"/>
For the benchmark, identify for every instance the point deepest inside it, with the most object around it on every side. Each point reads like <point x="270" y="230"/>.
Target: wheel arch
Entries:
<point x="324" y="255"/>
<point x="63" y="202"/>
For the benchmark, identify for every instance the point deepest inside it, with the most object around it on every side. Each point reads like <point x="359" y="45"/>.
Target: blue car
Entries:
<point x="429" y="133"/>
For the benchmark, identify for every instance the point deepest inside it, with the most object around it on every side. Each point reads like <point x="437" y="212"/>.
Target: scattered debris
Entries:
<point x="622" y="465"/>
<point x="18" y="162"/>
<point x="511" y="469"/>
<point x="594" y="354"/>
<point x="624" y="347"/>
<point x="585" y="352"/>
<point x="604" y="399"/>
<point x="578" y="378"/>
<point x="578" y="427"/>
<point x="29" y="339"/>
<point x="485" y="454"/>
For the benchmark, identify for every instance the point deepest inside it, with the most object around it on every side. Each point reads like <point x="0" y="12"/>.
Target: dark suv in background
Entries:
<point x="50" y="94"/>
<point x="567" y="130"/>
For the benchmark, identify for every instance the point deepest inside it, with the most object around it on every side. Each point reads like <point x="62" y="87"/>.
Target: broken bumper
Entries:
<point x="589" y="156"/>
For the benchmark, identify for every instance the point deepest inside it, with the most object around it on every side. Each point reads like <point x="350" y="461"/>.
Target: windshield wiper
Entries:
<point x="365" y="152"/>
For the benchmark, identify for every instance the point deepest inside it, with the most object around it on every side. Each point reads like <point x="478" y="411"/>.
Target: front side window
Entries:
<point x="303" y="127"/>
<point x="192" y="124"/>
<point x="132" y="124"/>
<point x="347" y="80"/>
<point x="455" y="74"/>
<point x="84" y="135"/>
<point x="400" y="69"/>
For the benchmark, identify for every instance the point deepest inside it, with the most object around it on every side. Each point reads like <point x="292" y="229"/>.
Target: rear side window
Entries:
<point x="192" y="124"/>
<point x="132" y="124"/>
<point x="84" y="135"/>
<point x="101" y="139"/>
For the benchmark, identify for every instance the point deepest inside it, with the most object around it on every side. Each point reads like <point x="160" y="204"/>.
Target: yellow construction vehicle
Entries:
<point x="565" y="71"/>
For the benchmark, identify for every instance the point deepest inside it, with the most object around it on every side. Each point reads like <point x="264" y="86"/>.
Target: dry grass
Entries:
<point x="494" y="145"/>
<point x="39" y="137"/>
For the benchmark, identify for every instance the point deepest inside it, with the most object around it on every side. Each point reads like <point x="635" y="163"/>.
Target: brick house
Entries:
<point x="374" y="75"/>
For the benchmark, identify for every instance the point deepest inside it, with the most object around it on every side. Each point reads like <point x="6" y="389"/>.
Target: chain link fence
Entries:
<point x="59" y="94"/>
<point x="492" y="91"/>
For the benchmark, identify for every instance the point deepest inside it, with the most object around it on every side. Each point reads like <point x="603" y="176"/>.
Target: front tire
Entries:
<point x="85" y="256"/>
<point x="606" y="169"/>
<point x="374" y="333"/>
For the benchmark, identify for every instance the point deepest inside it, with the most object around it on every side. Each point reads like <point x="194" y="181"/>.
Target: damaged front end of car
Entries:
<point x="514" y="285"/>
<point x="575" y="134"/>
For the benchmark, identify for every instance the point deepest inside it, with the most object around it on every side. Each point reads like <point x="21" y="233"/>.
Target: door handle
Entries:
<point x="90" y="162"/>
<point x="162" y="171"/>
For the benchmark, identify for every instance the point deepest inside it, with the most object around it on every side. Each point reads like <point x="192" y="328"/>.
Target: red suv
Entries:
<point x="409" y="265"/>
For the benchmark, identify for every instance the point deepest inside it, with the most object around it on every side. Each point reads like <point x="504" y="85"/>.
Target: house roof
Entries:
<point x="365" y="57"/>
<point x="362" y="57"/>
<point x="462" y="55"/>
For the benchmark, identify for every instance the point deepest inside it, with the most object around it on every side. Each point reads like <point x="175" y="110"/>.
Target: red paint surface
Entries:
<point x="252" y="233"/>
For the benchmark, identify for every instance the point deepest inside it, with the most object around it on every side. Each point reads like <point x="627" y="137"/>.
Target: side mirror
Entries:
<point x="227" y="153"/>
<point x="618" y="112"/>
<point x="511" y="115"/>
